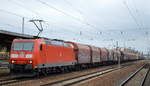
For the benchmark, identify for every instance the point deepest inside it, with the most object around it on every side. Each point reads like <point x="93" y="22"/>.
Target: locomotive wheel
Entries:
<point x="44" y="72"/>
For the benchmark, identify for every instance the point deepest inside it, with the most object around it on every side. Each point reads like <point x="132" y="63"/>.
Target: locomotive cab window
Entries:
<point x="28" y="46"/>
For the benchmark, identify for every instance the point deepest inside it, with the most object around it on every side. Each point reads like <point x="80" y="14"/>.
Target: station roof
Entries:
<point x="8" y="33"/>
<point x="6" y="37"/>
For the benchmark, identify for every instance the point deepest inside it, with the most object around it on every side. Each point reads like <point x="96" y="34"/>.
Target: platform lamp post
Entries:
<point x="23" y="25"/>
<point x="117" y="55"/>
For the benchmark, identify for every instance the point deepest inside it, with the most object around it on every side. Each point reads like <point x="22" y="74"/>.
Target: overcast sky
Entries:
<point x="95" y="22"/>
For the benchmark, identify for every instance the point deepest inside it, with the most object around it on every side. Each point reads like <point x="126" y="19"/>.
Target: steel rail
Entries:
<point x="132" y="75"/>
<point x="74" y="80"/>
<point x="144" y="79"/>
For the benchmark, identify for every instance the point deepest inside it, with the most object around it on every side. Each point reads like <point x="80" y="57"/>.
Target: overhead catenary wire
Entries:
<point x="10" y="25"/>
<point x="35" y="13"/>
<point x="21" y="16"/>
<point x="30" y="10"/>
<point x="66" y="14"/>
<point x="81" y="13"/>
<point x="132" y="16"/>
<point x="8" y="12"/>
<point x="15" y="14"/>
<point x="140" y="23"/>
<point x="16" y="3"/>
<point x="12" y="13"/>
<point x="83" y="22"/>
<point x="138" y="14"/>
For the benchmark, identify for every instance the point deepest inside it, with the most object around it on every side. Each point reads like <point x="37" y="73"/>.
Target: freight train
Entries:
<point x="44" y="55"/>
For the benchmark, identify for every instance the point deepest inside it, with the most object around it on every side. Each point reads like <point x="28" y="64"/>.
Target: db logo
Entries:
<point x="21" y="54"/>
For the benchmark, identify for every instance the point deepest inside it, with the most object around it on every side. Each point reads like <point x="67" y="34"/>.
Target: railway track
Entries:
<point x="137" y="78"/>
<point x="78" y="79"/>
<point x="67" y="81"/>
<point x="14" y="79"/>
<point x="146" y="79"/>
<point x="75" y="79"/>
<point x="20" y="79"/>
<point x="10" y="80"/>
<point x="70" y="81"/>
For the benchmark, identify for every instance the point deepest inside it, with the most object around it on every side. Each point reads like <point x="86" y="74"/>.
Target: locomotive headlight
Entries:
<point x="29" y="56"/>
<point x="14" y="55"/>
<point x="13" y="61"/>
<point x="30" y="62"/>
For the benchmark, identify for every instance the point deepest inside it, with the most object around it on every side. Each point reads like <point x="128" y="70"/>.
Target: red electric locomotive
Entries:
<point x="37" y="54"/>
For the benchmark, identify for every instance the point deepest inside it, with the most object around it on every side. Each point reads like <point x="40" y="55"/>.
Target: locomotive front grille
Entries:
<point x="21" y="66"/>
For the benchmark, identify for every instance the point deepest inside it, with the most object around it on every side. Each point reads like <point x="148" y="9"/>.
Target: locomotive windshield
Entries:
<point x="23" y="46"/>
